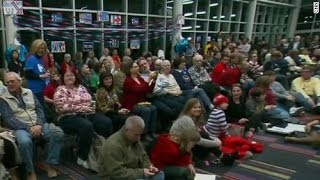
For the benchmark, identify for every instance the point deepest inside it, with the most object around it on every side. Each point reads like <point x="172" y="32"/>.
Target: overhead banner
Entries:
<point x="13" y="7"/>
<point x="58" y="47"/>
<point x="85" y="18"/>
<point x="103" y="16"/>
<point x="135" y="44"/>
<point x="87" y="46"/>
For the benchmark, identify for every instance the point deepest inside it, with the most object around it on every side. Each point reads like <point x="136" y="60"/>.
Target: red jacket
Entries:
<point x="167" y="153"/>
<point x="270" y="98"/>
<point x="117" y="61"/>
<point x="134" y="93"/>
<point x="217" y="71"/>
<point x="230" y="77"/>
<point x="49" y="90"/>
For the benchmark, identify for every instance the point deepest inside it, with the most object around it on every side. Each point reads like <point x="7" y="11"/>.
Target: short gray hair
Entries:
<point x="164" y="62"/>
<point x="16" y="75"/>
<point x="134" y="122"/>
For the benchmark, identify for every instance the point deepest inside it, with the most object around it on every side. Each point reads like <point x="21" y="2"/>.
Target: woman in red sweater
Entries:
<point x="172" y="154"/>
<point x="220" y="68"/>
<point x="135" y="90"/>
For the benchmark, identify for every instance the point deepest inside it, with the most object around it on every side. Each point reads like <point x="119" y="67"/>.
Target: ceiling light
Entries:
<point x="169" y="2"/>
<point x="233" y="15"/>
<point x="187" y="2"/>
<point x="214" y="4"/>
<point x="188" y="14"/>
<point x="186" y="27"/>
<point x="222" y="16"/>
<point x="198" y="26"/>
<point x="215" y="17"/>
<point x="201" y="12"/>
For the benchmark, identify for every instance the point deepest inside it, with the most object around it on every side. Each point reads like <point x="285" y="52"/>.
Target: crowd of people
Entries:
<point x="179" y="108"/>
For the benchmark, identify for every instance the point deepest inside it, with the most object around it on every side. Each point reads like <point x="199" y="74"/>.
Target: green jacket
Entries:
<point x="121" y="159"/>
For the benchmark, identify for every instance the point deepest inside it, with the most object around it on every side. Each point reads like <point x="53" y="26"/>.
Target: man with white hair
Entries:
<point x="123" y="156"/>
<point x="22" y="113"/>
<point x="297" y="44"/>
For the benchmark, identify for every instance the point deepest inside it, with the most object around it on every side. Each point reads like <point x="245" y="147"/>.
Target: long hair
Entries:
<point x="187" y="136"/>
<point x="187" y="108"/>
<point x="36" y="44"/>
<point x="102" y="76"/>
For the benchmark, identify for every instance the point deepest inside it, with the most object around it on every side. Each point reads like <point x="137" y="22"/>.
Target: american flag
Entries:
<point x="115" y="19"/>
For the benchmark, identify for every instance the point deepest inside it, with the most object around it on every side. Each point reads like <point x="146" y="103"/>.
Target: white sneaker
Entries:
<point x="294" y="111"/>
<point x="82" y="163"/>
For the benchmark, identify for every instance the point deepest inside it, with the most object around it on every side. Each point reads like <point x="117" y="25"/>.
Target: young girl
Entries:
<point x="216" y="125"/>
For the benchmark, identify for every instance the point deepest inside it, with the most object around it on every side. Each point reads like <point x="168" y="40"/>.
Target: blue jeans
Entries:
<point x="279" y="113"/>
<point x="149" y="115"/>
<point x="84" y="126"/>
<point x="158" y="176"/>
<point x="51" y="133"/>
<point x="200" y="94"/>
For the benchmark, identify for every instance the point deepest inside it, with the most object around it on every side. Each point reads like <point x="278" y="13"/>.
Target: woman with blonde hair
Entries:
<point x="172" y="153"/>
<point x="35" y="73"/>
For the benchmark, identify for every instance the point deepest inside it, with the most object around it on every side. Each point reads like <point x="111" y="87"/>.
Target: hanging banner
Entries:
<point x="58" y="46"/>
<point x="103" y="16"/>
<point x="87" y="46"/>
<point x="85" y="18"/>
<point x="114" y="43"/>
<point x="13" y="7"/>
<point x="56" y="17"/>
<point x="135" y="21"/>
<point x="115" y="20"/>
<point x="135" y="44"/>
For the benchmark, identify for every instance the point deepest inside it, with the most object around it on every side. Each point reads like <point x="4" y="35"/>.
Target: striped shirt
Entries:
<point x="216" y="125"/>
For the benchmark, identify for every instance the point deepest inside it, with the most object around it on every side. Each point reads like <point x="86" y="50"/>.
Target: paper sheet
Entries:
<point x="205" y="177"/>
<point x="287" y="130"/>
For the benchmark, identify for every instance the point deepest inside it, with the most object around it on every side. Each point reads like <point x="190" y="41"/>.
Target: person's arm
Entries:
<point x="297" y="86"/>
<point x="117" y="169"/>
<point x="145" y="158"/>
<point x="193" y="77"/>
<point x="102" y="104"/>
<point x="159" y="88"/>
<point x="9" y="118"/>
<point x="40" y="114"/>
<point x="279" y="91"/>
<point x="317" y="87"/>
<point x="31" y="75"/>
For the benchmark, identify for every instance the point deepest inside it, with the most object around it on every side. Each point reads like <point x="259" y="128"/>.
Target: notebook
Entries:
<point x="204" y="176"/>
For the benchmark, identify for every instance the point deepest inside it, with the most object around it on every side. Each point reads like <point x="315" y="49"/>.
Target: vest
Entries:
<point x="26" y="115"/>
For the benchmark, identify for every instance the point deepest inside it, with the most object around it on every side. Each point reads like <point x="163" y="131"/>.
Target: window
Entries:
<point x="137" y="36"/>
<point x="87" y="4"/>
<point x="115" y="6"/>
<point x="202" y="9"/>
<point x="136" y="6"/>
<point x="31" y="3"/>
<point x="57" y="19"/>
<point x="66" y="4"/>
<point x="213" y="26"/>
<point x="156" y="7"/>
<point x="87" y="19"/>
<point x="28" y="36"/>
<point x="30" y="18"/>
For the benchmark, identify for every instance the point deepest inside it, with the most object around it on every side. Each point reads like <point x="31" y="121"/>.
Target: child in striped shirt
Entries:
<point x="216" y="125"/>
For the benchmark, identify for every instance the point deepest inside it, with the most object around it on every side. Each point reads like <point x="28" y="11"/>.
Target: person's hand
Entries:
<point x="269" y="107"/>
<point x="153" y="169"/>
<point x="192" y="169"/>
<point x="36" y="131"/>
<point x="311" y="102"/>
<point x="147" y="173"/>
<point x="308" y="128"/>
<point x="243" y="120"/>
<point x="123" y="111"/>
<point x="290" y="98"/>
<point x="87" y="109"/>
<point x="165" y="84"/>
<point x="44" y="76"/>
<point x="195" y="87"/>
<point x="153" y="75"/>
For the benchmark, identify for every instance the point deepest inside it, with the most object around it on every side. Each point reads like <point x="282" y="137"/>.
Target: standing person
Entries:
<point x="77" y="114"/>
<point x="135" y="90"/>
<point x="123" y="156"/>
<point x="116" y="59"/>
<point x="15" y="64"/>
<point x="67" y="64"/>
<point x="35" y="73"/>
<point x="23" y="114"/>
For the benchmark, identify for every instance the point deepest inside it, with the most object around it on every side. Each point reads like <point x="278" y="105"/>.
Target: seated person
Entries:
<point x="236" y="111"/>
<point x="49" y="109"/>
<point x="169" y="98"/>
<point x="172" y="154"/>
<point x="22" y="113"/>
<point x="309" y="87"/>
<point x="123" y="156"/>
<point x="73" y="104"/>
<point x="108" y="101"/>
<point x="182" y="76"/>
<point x="135" y="91"/>
<point x="201" y="78"/>
<point x="286" y="99"/>
<point x="312" y="138"/>
<point x="217" y="126"/>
